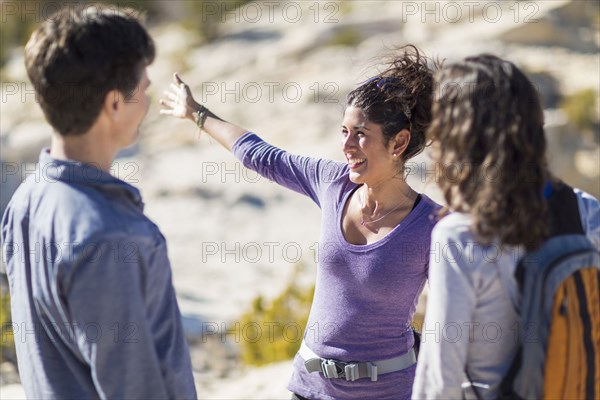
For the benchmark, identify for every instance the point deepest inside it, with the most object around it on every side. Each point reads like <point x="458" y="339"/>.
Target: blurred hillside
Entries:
<point x="282" y="69"/>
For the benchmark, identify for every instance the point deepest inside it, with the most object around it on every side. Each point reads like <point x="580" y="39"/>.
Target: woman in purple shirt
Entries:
<point x="375" y="231"/>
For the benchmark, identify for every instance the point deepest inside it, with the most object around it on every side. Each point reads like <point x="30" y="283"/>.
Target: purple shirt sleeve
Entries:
<point x="305" y="175"/>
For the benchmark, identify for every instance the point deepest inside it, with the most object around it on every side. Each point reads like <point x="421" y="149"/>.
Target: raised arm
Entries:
<point x="305" y="175"/>
<point x="181" y="104"/>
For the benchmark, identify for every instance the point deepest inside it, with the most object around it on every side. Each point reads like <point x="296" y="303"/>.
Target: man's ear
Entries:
<point x="113" y="101"/>
<point x="400" y="142"/>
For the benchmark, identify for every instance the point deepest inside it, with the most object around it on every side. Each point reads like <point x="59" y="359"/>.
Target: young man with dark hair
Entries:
<point x="93" y="306"/>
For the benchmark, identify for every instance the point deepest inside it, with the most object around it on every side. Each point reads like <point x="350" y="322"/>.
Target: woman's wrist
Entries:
<point x="199" y="115"/>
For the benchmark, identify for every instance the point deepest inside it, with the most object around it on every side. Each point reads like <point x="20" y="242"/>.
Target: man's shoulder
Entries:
<point x="76" y="212"/>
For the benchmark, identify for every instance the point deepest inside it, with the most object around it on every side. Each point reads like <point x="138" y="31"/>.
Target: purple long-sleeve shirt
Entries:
<point x="365" y="295"/>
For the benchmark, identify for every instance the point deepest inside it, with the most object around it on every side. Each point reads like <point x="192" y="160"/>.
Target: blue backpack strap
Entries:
<point x="565" y="219"/>
<point x="564" y="211"/>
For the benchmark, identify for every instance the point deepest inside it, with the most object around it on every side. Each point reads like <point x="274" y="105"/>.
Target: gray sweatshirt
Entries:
<point x="471" y="317"/>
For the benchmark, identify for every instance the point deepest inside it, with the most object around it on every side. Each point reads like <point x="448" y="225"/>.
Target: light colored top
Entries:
<point x="365" y="295"/>
<point x="472" y="316"/>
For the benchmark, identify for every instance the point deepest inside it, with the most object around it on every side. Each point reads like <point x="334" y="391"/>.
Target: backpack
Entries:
<point x="559" y="353"/>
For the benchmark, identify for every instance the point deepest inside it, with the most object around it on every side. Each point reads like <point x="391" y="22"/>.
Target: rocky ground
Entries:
<point x="233" y="236"/>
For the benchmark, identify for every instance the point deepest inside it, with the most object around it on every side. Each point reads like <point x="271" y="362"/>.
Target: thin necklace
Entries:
<point x="364" y="223"/>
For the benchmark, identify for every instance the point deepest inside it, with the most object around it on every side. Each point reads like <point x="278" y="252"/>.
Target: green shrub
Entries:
<point x="273" y="331"/>
<point x="348" y="36"/>
<point x="7" y="343"/>
<point x="580" y="108"/>
<point x="19" y="20"/>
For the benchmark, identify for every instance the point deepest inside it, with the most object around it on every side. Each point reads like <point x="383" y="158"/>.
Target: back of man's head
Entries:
<point x="79" y="55"/>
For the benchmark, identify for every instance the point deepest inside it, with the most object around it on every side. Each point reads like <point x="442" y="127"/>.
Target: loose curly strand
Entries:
<point x="399" y="97"/>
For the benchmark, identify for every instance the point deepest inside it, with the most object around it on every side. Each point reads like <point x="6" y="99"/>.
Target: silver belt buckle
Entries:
<point x="351" y="372"/>
<point x="329" y="369"/>
<point x="372" y="368"/>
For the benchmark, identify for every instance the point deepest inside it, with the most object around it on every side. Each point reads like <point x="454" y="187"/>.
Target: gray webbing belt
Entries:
<point x="354" y="370"/>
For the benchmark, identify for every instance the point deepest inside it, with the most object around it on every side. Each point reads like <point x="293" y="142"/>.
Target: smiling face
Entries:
<point x="371" y="161"/>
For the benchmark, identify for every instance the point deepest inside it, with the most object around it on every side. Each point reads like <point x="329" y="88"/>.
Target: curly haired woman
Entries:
<point x="488" y="123"/>
<point x="375" y="231"/>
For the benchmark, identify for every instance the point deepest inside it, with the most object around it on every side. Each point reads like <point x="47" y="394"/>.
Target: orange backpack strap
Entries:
<point x="560" y="310"/>
<point x="572" y="368"/>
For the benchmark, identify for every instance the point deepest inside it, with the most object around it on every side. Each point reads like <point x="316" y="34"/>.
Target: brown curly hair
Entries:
<point x="399" y="98"/>
<point x="488" y="124"/>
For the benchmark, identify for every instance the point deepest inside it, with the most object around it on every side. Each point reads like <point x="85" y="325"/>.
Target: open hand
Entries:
<point x="180" y="103"/>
